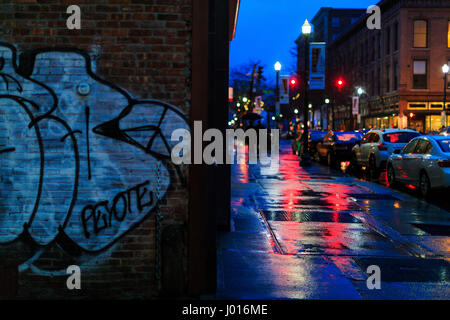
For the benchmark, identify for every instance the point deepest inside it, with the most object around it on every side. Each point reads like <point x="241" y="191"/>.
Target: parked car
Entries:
<point x="423" y="163"/>
<point x="377" y="145"/>
<point x="337" y="146"/>
<point x="445" y="131"/>
<point x="314" y="137"/>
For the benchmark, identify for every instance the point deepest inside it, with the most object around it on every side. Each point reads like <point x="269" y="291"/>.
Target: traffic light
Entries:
<point x="340" y="83"/>
<point x="259" y="75"/>
<point x="293" y="82"/>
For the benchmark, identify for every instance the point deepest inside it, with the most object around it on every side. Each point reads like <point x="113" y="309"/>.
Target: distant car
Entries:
<point x="423" y="163"/>
<point x="377" y="145"/>
<point x="337" y="146"/>
<point x="315" y="136"/>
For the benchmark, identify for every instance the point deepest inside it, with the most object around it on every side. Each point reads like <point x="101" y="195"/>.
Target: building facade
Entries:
<point x="399" y="67"/>
<point x="85" y="122"/>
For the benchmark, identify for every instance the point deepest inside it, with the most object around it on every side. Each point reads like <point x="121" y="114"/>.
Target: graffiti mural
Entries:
<point x="81" y="161"/>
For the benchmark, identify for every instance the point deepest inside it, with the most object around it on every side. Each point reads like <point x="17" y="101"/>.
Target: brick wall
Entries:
<point x="81" y="177"/>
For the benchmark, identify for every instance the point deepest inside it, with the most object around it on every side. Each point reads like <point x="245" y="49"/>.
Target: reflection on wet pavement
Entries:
<point x="300" y="231"/>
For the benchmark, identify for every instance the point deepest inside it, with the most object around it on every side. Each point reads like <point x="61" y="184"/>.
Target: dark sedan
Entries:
<point x="336" y="146"/>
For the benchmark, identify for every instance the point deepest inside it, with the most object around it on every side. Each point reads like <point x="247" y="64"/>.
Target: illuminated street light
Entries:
<point x="277" y="66"/>
<point x="360" y="91"/>
<point x="305" y="157"/>
<point x="306" y="28"/>
<point x="296" y="111"/>
<point x="327" y="101"/>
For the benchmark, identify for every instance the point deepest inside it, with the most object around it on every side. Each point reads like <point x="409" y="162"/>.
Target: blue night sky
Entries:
<point x="267" y="29"/>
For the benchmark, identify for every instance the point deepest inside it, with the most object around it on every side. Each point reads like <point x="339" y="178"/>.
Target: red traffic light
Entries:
<point x="293" y="82"/>
<point x="340" y="83"/>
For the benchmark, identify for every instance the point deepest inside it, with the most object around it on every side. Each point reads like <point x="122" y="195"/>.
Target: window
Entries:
<point x="423" y="147"/>
<point x="388" y="78"/>
<point x="374" y="41"/>
<point x="336" y="22"/>
<point x="379" y="46"/>
<point x="448" y="35"/>
<point x="409" y="148"/>
<point x="396" y="36"/>
<point x="366" y="57"/>
<point x="420" y="74"/>
<point x="372" y="84"/>
<point x="379" y="82"/>
<point x="399" y="137"/>
<point x="395" y="76"/>
<point x="375" y="138"/>
<point x="388" y="40"/>
<point x="420" y="34"/>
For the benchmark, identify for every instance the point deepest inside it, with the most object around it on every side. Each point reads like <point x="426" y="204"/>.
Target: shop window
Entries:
<point x="420" y="74"/>
<point x="420" y="34"/>
<point x="448" y="35"/>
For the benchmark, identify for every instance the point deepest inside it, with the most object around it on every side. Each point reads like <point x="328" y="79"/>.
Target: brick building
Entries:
<point x="399" y="66"/>
<point x="85" y="123"/>
<point x="328" y="24"/>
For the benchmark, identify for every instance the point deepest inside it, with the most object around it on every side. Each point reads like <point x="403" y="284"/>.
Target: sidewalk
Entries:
<point x="311" y="234"/>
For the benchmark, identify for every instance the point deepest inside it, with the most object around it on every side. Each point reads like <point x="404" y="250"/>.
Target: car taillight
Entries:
<point x="443" y="163"/>
<point x="382" y="147"/>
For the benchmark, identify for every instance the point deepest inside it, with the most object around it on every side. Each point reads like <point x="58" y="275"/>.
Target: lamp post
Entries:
<point x="277" y="89"/>
<point x="445" y="69"/>
<point x="360" y="92"/>
<point x="305" y="157"/>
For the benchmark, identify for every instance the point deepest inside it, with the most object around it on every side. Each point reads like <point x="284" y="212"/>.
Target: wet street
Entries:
<point x="312" y="233"/>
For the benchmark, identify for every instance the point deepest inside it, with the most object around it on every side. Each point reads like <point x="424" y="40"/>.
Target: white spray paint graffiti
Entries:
<point x="78" y="155"/>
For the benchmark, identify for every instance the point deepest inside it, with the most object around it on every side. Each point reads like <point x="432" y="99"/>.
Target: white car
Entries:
<point x="376" y="147"/>
<point x="423" y="163"/>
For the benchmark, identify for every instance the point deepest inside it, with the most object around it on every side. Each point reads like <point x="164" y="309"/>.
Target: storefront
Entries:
<point x="426" y="116"/>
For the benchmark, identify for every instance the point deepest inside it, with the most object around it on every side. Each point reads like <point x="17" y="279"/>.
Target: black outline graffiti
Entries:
<point x="109" y="129"/>
<point x="88" y="149"/>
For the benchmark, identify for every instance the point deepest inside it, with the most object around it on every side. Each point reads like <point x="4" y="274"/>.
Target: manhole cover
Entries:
<point x="372" y="196"/>
<point x="409" y="270"/>
<point x="434" y="229"/>
<point x="310" y="216"/>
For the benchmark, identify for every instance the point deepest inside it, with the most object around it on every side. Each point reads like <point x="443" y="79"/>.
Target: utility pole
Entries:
<point x="251" y="88"/>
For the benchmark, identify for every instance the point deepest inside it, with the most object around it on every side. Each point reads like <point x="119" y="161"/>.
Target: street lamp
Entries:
<point x="277" y="89"/>
<point x="360" y="91"/>
<point x="305" y="157"/>
<point x="445" y="69"/>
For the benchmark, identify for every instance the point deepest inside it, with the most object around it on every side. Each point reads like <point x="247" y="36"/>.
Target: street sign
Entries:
<point x="355" y="105"/>
<point x="317" y="66"/>
<point x="284" y="90"/>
